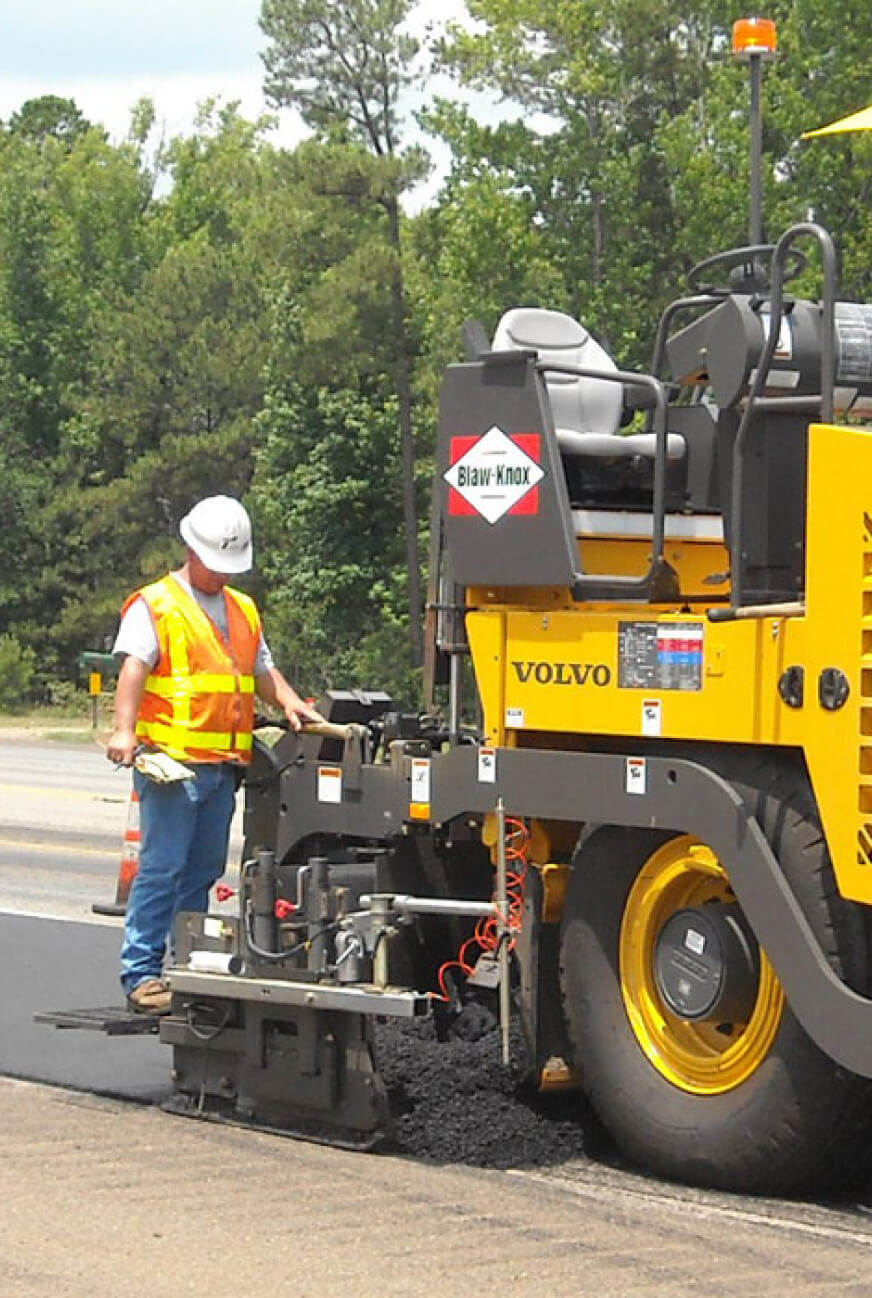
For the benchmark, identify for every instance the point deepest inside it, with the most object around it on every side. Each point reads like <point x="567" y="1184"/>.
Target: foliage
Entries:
<point x="344" y="65"/>
<point x="49" y="116"/>
<point x="481" y="250"/>
<point x="602" y="76"/>
<point x="326" y="497"/>
<point x="632" y="153"/>
<point x="70" y="243"/>
<point x="16" y="674"/>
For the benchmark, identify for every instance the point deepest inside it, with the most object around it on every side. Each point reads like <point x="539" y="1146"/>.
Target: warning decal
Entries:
<point x="660" y="655"/>
<point x="330" y="784"/>
<point x="636" y="775"/>
<point x="495" y="474"/>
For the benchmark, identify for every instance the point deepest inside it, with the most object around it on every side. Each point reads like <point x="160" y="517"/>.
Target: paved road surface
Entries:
<point x="63" y="812"/>
<point x="103" y="1200"/>
<point x="63" y="787"/>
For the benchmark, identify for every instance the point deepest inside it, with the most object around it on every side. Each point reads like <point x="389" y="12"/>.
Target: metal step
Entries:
<point x="311" y="1129"/>
<point x="113" y="1020"/>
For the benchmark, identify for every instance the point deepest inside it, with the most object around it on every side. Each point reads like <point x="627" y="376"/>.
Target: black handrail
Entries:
<point x="756" y="401"/>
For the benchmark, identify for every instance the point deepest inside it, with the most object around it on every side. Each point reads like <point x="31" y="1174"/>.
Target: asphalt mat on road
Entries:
<point x="61" y="965"/>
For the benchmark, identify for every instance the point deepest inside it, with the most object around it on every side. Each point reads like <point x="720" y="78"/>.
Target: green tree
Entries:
<point x="481" y="248"/>
<point x="140" y="295"/>
<point x="594" y="80"/>
<point x="344" y="64"/>
<point x="632" y="153"/>
<point x="330" y="553"/>
<point x="37" y="119"/>
<point x="819" y="75"/>
<point x="70" y="212"/>
<point x="16" y="674"/>
<point x="180" y="361"/>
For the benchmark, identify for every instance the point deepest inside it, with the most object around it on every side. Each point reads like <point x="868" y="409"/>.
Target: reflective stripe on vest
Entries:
<point x="198" y="701"/>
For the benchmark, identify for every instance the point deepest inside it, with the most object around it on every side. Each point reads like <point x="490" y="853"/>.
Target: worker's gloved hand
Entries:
<point x="300" y="714"/>
<point x="122" y="747"/>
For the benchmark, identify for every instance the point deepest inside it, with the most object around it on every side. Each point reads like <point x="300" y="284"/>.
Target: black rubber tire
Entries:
<point x="792" y="1126"/>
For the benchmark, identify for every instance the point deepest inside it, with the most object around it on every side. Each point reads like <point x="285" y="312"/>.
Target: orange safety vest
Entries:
<point x="198" y="701"/>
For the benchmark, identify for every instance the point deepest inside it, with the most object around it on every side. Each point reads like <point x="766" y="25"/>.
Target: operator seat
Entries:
<point x="586" y="411"/>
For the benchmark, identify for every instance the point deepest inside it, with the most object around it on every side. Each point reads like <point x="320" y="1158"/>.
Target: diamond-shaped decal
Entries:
<point x="494" y="474"/>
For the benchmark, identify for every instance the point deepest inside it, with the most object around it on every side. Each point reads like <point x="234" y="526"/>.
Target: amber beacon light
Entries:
<point x="755" y="42"/>
<point x="754" y="36"/>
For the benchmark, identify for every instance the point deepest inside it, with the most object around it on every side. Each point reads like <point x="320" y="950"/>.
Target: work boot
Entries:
<point x="150" y="997"/>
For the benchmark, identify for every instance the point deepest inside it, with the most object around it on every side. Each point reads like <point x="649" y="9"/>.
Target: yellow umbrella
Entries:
<point x="861" y="121"/>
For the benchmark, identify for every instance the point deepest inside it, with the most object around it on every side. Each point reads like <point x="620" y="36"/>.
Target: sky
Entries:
<point x="106" y="54"/>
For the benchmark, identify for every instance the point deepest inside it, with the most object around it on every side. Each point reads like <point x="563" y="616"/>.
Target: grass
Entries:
<point x="61" y="725"/>
<point x="81" y="736"/>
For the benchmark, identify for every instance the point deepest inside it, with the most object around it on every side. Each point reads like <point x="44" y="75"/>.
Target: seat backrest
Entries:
<point x="579" y="405"/>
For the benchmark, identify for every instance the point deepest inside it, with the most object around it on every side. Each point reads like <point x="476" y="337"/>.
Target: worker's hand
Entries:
<point x="300" y="714"/>
<point x="121" y="747"/>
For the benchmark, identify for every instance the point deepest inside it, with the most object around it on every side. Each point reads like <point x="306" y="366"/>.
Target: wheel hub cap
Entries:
<point x="705" y="1019"/>
<point x="706" y="964"/>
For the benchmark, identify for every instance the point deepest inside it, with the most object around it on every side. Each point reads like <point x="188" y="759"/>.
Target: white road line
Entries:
<point x="691" y="1208"/>
<point x="64" y="849"/>
<point x="68" y="849"/>
<point x="56" y="918"/>
<point x="78" y="795"/>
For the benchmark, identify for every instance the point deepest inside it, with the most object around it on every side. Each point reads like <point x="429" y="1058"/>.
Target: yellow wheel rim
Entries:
<point x="701" y="1058"/>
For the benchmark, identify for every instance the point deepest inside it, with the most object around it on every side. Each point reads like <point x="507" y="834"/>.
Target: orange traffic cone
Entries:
<point x="129" y="862"/>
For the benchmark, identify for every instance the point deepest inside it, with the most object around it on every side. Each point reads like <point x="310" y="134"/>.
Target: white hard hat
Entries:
<point x="218" y="530"/>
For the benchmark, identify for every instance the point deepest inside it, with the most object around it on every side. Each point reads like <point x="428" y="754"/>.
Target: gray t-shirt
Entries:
<point x="138" y="638"/>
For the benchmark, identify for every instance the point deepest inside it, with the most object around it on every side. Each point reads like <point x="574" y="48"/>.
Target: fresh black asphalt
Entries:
<point x="58" y="965"/>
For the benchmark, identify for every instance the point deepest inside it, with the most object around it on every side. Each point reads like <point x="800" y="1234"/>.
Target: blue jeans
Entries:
<point x="185" y="828"/>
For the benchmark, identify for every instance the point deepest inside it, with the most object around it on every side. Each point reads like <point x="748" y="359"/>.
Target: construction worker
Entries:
<point x="194" y="656"/>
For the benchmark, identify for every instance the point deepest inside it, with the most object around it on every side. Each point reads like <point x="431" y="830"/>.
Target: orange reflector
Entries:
<point x="557" y="1075"/>
<point x="754" y="36"/>
<point x="419" y="811"/>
